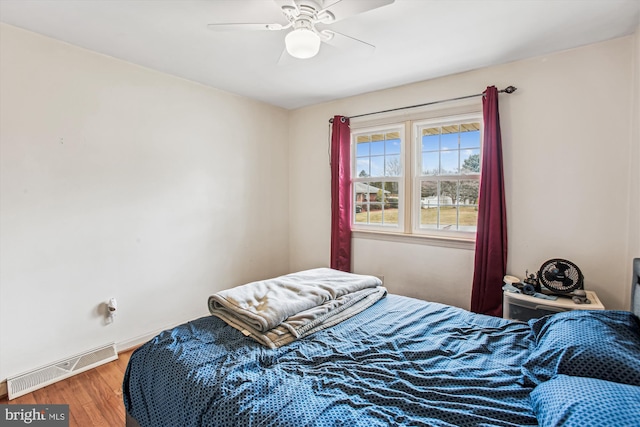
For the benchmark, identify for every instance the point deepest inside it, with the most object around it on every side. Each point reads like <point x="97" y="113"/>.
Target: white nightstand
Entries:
<point x="524" y="307"/>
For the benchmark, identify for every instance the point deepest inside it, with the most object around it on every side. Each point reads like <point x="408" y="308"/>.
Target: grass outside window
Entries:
<point x="448" y="215"/>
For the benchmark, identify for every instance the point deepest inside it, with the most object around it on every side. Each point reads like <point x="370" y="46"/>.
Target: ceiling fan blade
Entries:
<point x="342" y="9"/>
<point x="347" y="43"/>
<point x="246" y="27"/>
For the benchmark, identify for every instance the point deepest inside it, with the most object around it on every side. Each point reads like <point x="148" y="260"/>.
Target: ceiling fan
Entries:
<point x="305" y="21"/>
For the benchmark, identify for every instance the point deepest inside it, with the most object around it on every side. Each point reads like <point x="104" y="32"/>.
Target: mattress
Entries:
<point x="400" y="362"/>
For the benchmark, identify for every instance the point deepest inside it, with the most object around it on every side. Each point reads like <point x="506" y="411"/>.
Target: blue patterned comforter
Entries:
<point x="401" y="362"/>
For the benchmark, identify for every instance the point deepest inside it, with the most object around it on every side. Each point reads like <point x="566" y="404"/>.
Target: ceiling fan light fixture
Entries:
<point x="302" y="43"/>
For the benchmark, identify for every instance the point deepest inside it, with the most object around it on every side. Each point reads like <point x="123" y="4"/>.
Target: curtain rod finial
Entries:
<point x="510" y="89"/>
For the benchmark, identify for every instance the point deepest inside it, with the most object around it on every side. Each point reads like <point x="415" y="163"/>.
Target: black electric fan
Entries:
<point x="561" y="276"/>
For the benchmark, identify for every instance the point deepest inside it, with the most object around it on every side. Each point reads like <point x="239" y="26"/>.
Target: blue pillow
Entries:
<point x="596" y="344"/>
<point x="583" y="402"/>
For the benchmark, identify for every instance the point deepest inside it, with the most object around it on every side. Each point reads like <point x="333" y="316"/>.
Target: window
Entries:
<point x="448" y="175"/>
<point x="378" y="178"/>
<point x="443" y="174"/>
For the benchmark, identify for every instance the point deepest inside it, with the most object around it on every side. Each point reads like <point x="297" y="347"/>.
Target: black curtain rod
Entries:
<point x="508" y="89"/>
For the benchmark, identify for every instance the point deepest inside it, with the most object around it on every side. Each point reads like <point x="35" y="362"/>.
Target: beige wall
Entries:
<point x="634" y="158"/>
<point x="567" y="144"/>
<point x="118" y="181"/>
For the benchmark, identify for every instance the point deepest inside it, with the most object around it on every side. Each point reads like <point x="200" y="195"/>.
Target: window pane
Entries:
<point x="362" y="167"/>
<point x="449" y="141"/>
<point x="390" y="205"/>
<point x="458" y="146"/>
<point x="391" y="195"/>
<point x="469" y="127"/>
<point x="377" y="166"/>
<point x="393" y="146"/>
<point x="428" y="189"/>
<point x="377" y="148"/>
<point x="470" y="161"/>
<point x="448" y="217"/>
<point x="449" y="162"/>
<point x="448" y="214"/>
<point x="430" y="163"/>
<point x="375" y="192"/>
<point x="376" y="203"/>
<point x="361" y="214"/>
<point x="378" y="154"/>
<point x="429" y="204"/>
<point x="468" y="202"/>
<point x="361" y="202"/>
<point x="362" y="149"/>
<point x="469" y="136"/>
<point x="448" y="192"/>
<point x="468" y="218"/>
<point x="430" y="138"/>
<point x="449" y="205"/>
<point x="375" y="216"/>
<point x="392" y="166"/>
<point x="468" y="192"/>
<point x="429" y="218"/>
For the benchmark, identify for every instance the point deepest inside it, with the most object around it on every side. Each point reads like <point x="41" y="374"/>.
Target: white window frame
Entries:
<point x="392" y="228"/>
<point x="418" y="177"/>
<point x="408" y="229"/>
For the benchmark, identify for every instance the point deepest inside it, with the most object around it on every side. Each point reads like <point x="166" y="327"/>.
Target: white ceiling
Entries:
<point x="415" y="39"/>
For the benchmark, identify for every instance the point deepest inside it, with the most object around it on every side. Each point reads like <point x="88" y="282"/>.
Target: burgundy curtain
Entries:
<point x="341" y="195"/>
<point x="491" y="240"/>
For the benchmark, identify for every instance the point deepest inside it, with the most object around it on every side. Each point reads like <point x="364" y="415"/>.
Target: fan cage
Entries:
<point x="556" y="286"/>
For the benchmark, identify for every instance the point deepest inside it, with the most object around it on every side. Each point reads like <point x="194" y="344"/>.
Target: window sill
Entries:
<point x="447" y="242"/>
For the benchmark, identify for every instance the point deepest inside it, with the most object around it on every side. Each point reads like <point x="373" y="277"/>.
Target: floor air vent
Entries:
<point x="26" y="383"/>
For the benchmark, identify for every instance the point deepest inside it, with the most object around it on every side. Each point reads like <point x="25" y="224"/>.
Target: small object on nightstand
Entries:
<point x="524" y="307"/>
<point x="580" y="297"/>
<point x="532" y="281"/>
<point x="529" y="286"/>
<point x="510" y="279"/>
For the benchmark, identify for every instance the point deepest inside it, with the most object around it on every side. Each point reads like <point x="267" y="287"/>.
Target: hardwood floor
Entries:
<point x="94" y="397"/>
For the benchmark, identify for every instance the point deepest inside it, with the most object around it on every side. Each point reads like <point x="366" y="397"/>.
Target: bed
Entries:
<point x="397" y="362"/>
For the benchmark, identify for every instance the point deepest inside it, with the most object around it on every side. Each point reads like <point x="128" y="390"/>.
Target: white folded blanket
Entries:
<point x="279" y="310"/>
